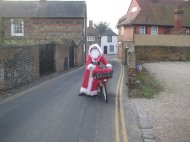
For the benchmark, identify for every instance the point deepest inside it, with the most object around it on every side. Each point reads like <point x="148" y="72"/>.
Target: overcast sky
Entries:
<point x="107" y="11"/>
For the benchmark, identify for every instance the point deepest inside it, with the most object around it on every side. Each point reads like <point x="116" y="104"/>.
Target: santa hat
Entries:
<point x="95" y="46"/>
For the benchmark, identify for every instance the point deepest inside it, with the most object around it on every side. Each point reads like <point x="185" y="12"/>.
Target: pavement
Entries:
<point x="138" y="124"/>
<point x="140" y="128"/>
<point x="168" y="112"/>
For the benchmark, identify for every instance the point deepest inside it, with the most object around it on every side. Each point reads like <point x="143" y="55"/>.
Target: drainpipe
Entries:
<point x="1" y="24"/>
<point x="85" y="35"/>
<point x="1" y="30"/>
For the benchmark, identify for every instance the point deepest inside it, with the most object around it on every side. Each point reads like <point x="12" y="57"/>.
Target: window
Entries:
<point x="154" y="30"/>
<point x="90" y="38"/>
<point x="142" y="30"/>
<point x="127" y="20"/>
<point x="111" y="48"/>
<point x="188" y="31"/>
<point x="109" y="38"/>
<point x="17" y="27"/>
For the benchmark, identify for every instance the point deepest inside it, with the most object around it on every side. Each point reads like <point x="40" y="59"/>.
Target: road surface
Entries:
<point x="51" y="111"/>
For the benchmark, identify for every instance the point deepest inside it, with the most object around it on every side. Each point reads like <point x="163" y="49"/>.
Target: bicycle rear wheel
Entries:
<point x="104" y="92"/>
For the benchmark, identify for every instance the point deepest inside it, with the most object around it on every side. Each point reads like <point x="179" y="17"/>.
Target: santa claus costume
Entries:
<point x="94" y="58"/>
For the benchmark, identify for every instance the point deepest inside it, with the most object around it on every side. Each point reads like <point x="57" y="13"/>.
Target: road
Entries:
<point x="52" y="111"/>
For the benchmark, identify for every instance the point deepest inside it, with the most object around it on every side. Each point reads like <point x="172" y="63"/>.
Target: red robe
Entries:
<point x="90" y="84"/>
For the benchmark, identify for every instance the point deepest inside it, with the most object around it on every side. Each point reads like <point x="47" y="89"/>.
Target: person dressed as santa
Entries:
<point x="94" y="58"/>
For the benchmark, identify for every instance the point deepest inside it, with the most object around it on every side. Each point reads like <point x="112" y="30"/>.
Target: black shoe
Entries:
<point x="81" y="94"/>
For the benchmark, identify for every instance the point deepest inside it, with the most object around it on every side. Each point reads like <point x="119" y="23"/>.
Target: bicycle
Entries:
<point x="103" y="76"/>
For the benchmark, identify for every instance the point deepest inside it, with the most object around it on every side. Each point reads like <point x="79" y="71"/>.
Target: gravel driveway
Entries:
<point x="169" y="112"/>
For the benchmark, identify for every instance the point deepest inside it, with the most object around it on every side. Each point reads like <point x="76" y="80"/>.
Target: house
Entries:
<point x="92" y="35"/>
<point x="109" y="42"/>
<point x="148" y="20"/>
<point x="154" y="30"/>
<point x="156" y="17"/>
<point x="43" y="22"/>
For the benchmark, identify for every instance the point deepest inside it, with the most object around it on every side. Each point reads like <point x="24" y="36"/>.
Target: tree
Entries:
<point x="101" y="27"/>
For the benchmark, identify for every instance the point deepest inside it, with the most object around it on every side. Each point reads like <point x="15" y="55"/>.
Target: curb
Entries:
<point x="145" y="125"/>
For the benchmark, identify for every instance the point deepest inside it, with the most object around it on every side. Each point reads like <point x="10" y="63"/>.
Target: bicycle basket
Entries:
<point x="104" y="73"/>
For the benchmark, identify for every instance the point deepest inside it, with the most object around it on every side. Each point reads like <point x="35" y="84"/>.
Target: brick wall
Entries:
<point x="128" y="33"/>
<point x="125" y="38"/>
<point x="18" y="65"/>
<point x="162" y="53"/>
<point x="44" y="30"/>
<point x="61" y="58"/>
<point x="40" y="30"/>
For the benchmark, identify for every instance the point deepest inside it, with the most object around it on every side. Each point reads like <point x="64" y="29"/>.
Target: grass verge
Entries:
<point x="148" y="85"/>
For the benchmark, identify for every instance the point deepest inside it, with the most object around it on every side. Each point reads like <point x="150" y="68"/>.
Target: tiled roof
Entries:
<point x="92" y="32"/>
<point x="43" y="9"/>
<point x="109" y="32"/>
<point x="161" y="13"/>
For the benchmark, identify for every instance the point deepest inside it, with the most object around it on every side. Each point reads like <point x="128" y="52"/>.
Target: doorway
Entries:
<point x="105" y="49"/>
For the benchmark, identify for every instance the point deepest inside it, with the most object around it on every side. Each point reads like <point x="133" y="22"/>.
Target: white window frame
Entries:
<point x="154" y="30"/>
<point x="90" y="38"/>
<point x="17" y="27"/>
<point x="109" y="39"/>
<point x="187" y="30"/>
<point x="142" y="30"/>
<point x="111" y="46"/>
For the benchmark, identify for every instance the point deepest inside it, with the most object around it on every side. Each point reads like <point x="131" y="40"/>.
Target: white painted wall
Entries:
<point x="105" y="43"/>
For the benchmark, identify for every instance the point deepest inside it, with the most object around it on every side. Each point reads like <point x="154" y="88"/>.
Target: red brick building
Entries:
<point x="150" y="18"/>
<point x="39" y="38"/>
<point x="154" y="30"/>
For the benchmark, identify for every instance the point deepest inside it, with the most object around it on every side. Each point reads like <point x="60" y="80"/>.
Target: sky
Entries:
<point x="108" y="11"/>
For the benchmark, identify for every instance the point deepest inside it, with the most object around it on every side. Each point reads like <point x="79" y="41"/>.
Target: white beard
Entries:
<point x="94" y="53"/>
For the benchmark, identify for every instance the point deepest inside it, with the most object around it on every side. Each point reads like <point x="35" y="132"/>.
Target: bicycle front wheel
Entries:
<point x="104" y="92"/>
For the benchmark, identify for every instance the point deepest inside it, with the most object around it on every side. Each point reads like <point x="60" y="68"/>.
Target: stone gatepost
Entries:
<point x="131" y="62"/>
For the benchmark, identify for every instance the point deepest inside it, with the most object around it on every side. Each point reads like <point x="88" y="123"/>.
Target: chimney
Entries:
<point x="178" y="18"/>
<point x="90" y="23"/>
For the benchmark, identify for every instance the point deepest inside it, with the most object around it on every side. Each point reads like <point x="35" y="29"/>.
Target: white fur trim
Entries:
<point x="91" y="79"/>
<point x="93" y="93"/>
<point x="95" y="46"/>
<point x="108" y="65"/>
<point x="84" y="90"/>
<point x="87" y="90"/>
<point x="91" y="66"/>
